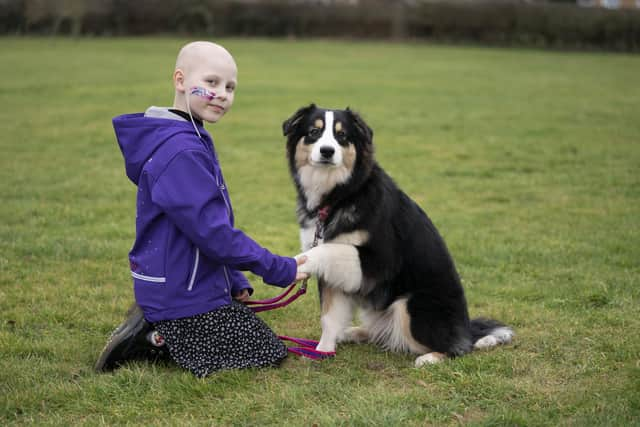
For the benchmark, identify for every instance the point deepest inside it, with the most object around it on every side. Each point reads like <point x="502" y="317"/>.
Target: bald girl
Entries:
<point x="187" y="258"/>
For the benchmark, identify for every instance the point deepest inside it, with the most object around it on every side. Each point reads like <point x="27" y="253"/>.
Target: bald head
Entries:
<point x="195" y="53"/>
<point x="205" y="65"/>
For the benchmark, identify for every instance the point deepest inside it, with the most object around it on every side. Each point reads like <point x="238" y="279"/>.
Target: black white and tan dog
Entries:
<point x="378" y="250"/>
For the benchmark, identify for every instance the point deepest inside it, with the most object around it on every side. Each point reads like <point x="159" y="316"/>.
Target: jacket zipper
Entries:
<point x="226" y="203"/>
<point x="195" y="270"/>
<point x="224" y="267"/>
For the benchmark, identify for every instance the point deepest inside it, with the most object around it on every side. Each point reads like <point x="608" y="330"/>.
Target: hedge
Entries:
<point x="497" y="23"/>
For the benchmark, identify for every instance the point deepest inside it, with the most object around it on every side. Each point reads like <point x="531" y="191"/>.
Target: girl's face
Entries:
<point x="210" y="87"/>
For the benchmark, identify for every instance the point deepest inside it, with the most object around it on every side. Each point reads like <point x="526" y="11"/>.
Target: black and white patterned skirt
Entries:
<point x="229" y="337"/>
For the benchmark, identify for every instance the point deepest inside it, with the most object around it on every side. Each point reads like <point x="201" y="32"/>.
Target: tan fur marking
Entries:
<point x="327" y="299"/>
<point x="390" y="328"/>
<point x="338" y="126"/>
<point x="405" y="324"/>
<point x="303" y="153"/>
<point x="319" y="123"/>
<point x="349" y="159"/>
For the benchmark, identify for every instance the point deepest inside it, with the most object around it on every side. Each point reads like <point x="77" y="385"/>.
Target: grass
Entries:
<point x="527" y="161"/>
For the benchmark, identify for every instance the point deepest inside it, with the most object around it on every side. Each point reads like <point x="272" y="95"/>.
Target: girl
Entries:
<point x="187" y="256"/>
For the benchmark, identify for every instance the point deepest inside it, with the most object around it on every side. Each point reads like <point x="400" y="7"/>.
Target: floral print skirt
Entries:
<point x="229" y="337"/>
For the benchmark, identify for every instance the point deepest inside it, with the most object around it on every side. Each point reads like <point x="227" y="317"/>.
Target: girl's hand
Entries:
<point x="242" y="296"/>
<point x="301" y="276"/>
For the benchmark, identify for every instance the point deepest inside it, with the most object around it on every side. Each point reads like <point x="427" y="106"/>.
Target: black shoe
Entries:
<point x="129" y="342"/>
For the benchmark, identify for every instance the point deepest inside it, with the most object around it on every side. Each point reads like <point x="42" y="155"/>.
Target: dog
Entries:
<point x="376" y="249"/>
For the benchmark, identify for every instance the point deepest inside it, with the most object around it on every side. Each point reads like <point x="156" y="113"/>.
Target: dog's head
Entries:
<point x="327" y="148"/>
<point x="326" y="138"/>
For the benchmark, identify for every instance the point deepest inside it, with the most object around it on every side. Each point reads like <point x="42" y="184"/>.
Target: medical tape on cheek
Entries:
<point x="203" y="93"/>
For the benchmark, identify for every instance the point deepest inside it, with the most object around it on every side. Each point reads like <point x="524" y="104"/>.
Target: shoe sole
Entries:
<point x="130" y="327"/>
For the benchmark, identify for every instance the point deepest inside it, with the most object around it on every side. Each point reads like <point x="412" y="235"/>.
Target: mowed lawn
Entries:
<point x="527" y="161"/>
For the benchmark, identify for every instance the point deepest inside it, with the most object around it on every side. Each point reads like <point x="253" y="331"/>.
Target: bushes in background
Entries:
<point x="497" y="23"/>
<point x="545" y="25"/>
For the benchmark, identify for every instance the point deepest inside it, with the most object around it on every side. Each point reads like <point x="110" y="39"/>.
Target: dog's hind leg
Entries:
<point x="337" y="315"/>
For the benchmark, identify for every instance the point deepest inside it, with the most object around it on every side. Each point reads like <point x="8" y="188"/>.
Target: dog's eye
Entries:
<point x="315" y="133"/>
<point x="341" y="136"/>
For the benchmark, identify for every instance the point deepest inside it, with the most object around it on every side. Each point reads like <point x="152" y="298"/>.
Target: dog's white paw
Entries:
<point x="429" y="359"/>
<point x="498" y="336"/>
<point x="486" y="342"/>
<point x="326" y="347"/>
<point x="503" y="335"/>
<point x="312" y="263"/>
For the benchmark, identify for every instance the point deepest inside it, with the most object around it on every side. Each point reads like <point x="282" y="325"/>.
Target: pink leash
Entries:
<point x="275" y="302"/>
<point x="306" y="348"/>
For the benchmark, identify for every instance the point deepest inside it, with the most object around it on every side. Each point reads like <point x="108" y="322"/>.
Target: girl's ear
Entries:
<point x="291" y="124"/>
<point x="365" y="133"/>
<point x="178" y="80"/>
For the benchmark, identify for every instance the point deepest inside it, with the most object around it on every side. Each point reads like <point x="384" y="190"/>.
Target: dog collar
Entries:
<point x="323" y="213"/>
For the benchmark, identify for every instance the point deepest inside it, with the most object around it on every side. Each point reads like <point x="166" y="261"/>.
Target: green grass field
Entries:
<point x="527" y="161"/>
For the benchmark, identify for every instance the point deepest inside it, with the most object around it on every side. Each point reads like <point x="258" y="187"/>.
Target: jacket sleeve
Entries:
<point x="187" y="192"/>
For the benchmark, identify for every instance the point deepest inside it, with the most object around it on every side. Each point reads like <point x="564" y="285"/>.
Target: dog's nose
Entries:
<point x="327" y="152"/>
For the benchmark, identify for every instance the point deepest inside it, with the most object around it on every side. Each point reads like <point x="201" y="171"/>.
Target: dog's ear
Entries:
<point x="291" y="124"/>
<point x="362" y="128"/>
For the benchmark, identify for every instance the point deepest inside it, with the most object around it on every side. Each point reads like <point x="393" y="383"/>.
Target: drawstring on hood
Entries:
<point x="140" y="135"/>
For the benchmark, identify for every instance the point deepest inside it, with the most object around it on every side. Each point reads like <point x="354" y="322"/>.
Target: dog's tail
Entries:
<point x="487" y="333"/>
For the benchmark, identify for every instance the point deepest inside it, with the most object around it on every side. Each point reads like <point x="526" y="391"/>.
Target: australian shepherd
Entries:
<point x="375" y="248"/>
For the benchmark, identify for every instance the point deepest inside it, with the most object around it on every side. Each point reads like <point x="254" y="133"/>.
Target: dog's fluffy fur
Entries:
<point x="380" y="252"/>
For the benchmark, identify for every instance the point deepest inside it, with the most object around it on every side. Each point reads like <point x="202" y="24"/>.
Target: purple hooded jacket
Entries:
<point x="187" y="254"/>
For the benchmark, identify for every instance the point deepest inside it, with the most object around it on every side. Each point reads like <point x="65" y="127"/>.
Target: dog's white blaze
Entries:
<point x="337" y="264"/>
<point x="335" y="321"/>
<point x="390" y="328"/>
<point x="327" y="140"/>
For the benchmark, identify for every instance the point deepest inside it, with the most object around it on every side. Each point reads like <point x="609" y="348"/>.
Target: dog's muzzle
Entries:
<point x="327" y="152"/>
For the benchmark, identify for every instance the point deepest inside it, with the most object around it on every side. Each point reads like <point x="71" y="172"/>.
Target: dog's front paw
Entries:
<point x="326" y="347"/>
<point x="312" y="264"/>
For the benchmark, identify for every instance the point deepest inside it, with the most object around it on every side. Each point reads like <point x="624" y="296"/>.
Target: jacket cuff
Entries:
<point x="282" y="273"/>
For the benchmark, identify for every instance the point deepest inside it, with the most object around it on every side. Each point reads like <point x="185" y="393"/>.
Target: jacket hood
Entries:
<point x="141" y="134"/>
